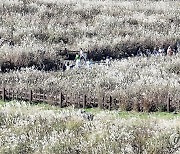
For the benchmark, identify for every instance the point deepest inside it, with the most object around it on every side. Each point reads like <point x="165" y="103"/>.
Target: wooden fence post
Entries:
<point x="110" y="102"/>
<point x="4" y="94"/>
<point x="60" y="99"/>
<point x="168" y="103"/>
<point x="30" y="96"/>
<point x="84" y="102"/>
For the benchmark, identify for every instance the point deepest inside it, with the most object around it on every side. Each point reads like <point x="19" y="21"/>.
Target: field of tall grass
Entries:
<point x="109" y="27"/>
<point x="32" y="35"/>
<point x="133" y="81"/>
<point x="26" y="128"/>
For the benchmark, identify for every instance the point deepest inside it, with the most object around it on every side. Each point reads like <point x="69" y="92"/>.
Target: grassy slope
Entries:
<point x="26" y="128"/>
<point x="122" y="114"/>
<point x="130" y="80"/>
<point x="119" y="27"/>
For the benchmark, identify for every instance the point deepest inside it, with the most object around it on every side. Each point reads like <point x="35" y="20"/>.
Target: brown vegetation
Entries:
<point x="113" y="28"/>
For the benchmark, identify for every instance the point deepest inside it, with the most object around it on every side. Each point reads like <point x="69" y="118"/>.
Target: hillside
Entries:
<point x="133" y="80"/>
<point x="26" y="128"/>
<point x="35" y="31"/>
<point x="109" y="27"/>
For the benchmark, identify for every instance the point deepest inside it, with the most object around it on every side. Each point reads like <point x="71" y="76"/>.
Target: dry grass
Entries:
<point x="117" y="28"/>
<point x="41" y="28"/>
<point x="33" y="129"/>
<point x="134" y="81"/>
